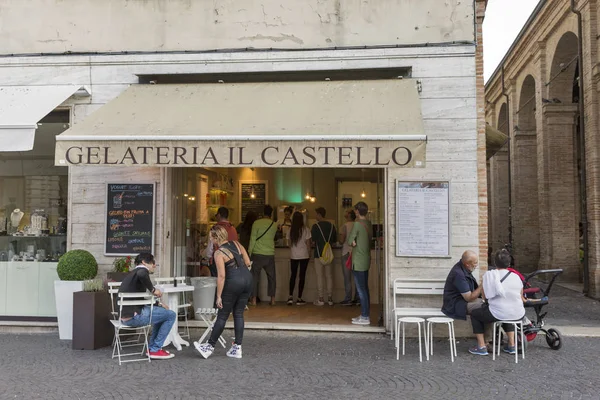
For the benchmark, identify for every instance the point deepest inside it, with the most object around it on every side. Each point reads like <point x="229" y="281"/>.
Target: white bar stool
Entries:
<point x="410" y="320"/>
<point x="517" y="324"/>
<point x="451" y="336"/>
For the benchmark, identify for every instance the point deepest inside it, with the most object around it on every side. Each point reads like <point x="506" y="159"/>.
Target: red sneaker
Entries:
<point x="161" y="355"/>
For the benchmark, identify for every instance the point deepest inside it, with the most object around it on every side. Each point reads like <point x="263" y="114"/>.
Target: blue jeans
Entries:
<point x="361" y="280"/>
<point x="162" y="322"/>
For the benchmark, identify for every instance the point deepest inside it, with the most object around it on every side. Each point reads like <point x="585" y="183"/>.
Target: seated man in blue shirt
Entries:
<point x="461" y="291"/>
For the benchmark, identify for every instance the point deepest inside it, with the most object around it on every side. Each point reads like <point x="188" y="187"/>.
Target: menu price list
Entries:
<point x="423" y="219"/>
<point x="257" y="203"/>
<point x="129" y="219"/>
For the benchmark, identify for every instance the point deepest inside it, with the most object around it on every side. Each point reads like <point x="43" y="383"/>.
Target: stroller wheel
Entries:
<point x="553" y="339"/>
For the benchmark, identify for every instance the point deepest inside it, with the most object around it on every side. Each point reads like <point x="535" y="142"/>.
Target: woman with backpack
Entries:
<point x="322" y="232"/>
<point x="360" y="239"/>
<point x="299" y="237"/>
<point x="234" y="284"/>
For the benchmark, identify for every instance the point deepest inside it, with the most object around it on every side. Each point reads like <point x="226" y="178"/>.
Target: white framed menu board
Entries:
<point x="423" y="218"/>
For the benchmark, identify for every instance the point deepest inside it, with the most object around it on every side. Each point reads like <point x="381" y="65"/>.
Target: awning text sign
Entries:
<point x="277" y="154"/>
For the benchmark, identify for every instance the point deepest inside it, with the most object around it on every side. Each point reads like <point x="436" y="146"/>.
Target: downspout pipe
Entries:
<point x="510" y="221"/>
<point x="583" y="175"/>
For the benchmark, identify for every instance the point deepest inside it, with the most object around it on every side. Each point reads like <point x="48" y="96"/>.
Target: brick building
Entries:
<point x="536" y="196"/>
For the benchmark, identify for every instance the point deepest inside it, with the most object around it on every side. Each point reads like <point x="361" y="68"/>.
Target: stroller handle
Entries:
<point x="555" y="272"/>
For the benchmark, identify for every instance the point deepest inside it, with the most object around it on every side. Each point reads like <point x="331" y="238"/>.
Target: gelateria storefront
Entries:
<point x="294" y="145"/>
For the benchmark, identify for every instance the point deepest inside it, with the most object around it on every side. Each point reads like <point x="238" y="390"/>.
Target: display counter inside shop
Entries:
<point x="27" y="274"/>
<point x="282" y="263"/>
<point x="27" y="288"/>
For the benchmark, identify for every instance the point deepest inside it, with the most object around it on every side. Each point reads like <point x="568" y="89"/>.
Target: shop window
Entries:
<point x="33" y="198"/>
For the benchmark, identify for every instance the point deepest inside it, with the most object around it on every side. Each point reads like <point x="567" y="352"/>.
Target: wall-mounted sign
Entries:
<point x="253" y="197"/>
<point x="278" y="154"/>
<point x="129" y="219"/>
<point x="422" y="219"/>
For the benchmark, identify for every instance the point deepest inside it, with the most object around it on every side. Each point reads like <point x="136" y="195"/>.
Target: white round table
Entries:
<point x="171" y="298"/>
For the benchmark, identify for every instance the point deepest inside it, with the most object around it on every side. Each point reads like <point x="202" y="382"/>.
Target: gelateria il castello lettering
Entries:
<point x="375" y="155"/>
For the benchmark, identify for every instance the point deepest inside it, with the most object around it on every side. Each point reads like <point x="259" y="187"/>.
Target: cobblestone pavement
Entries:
<point x="570" y="308"/>
<point x="291" y="365"/>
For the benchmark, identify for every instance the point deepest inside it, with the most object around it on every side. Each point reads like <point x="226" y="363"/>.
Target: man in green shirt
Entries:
<point x="360" y="239"/>
<point x="262" y="253"/>
<point x="322" y="232"/>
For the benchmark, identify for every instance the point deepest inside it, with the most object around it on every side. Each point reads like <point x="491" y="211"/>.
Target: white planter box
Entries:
<point x="63" y="291"/>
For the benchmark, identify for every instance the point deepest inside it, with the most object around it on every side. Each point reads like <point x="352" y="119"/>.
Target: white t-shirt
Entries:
<point x="300" y="250"/>
<point x="509" y="306"/>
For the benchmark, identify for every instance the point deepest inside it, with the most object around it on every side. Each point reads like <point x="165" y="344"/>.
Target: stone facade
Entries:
<point x="448" y="66"/>
<point x="541" y="97"/>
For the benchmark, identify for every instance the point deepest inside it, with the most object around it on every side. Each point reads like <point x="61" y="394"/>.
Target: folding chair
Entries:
<point x="184" y="306"/>
<point x="113" y="290"/>
<point x="132" y="299"/>
<point x="209" y="316"/>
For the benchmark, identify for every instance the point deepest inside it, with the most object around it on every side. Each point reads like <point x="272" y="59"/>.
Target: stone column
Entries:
<point x="498" y="197"/>
<point x="591" y="85"/>
<point x="525" y="212"/>
<point x="559" y="232"/>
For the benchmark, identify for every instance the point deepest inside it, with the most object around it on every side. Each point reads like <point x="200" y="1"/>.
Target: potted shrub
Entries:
<point x="121" y="267"/>
<point x="73" y="268"/>
<point x="92" y="328"/>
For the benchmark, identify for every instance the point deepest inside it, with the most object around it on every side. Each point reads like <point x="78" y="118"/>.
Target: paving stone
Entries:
<point x="290" y="365"/>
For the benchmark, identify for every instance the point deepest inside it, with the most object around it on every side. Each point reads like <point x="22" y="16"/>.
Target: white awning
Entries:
<point x="22" y="107"/>
<point x="283" y="124"/>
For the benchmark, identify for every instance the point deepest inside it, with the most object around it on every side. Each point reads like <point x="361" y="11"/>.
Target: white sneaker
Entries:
<point x="356" y="318"/>
<point x="204" y="349"/>
<point x="362" y="321"/>
<point x="330" y="300"/>
<point x="235" y="351"/>
<point x="318" y="303"/>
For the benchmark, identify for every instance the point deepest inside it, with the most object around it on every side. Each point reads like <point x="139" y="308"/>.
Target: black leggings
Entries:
<point x="238" y="285"/>
<point x="303" y="265"/>
<point x="481" y="316"/>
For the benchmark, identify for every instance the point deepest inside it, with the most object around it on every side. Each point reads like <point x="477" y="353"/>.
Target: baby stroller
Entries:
<point x="537" y="298"/>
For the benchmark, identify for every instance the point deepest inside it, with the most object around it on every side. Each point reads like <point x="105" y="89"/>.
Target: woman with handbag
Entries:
<point x="345" y="229"/>
<point x="299" y="236"/>
<point x="503" y="292"/>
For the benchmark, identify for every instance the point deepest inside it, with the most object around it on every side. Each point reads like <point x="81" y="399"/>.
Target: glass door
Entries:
<point x="189" y="219"/>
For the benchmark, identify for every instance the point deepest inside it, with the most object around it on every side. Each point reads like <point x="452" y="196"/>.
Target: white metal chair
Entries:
<point x="134" y="336"/>
<point x="209" y="316"/>
<point x="183" y="308"/>
<point x="402" y="321"/>
<point x="518" y="326"/>
<point x="414" y="288"/>
<point x="451" y="337"/>
<point x="132" y="299"/>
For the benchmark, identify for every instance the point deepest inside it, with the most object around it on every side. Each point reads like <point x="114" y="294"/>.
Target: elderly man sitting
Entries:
<point x="461" y="291"/>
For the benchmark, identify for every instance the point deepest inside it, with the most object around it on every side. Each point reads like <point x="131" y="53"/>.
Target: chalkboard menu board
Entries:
<point x="129" y="219"/>
<point x="255" y="204"/>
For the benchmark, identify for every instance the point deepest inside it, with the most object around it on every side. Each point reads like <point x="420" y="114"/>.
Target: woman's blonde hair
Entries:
<point x="219" y="234"/>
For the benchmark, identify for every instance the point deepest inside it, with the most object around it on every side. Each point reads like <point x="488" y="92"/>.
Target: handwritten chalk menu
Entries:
<point x="256" y="203"/>
<point x="423" y="219"/>
<point x="129" y="219"/>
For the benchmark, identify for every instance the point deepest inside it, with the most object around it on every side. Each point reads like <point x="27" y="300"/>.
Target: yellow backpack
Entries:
<point x="326" y="257"/>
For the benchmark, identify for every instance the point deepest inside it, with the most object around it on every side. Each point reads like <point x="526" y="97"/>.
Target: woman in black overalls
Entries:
<point x="234" y="284"/>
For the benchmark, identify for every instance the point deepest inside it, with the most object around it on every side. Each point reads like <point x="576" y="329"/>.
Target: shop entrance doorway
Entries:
<point x="197" y="194"/>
